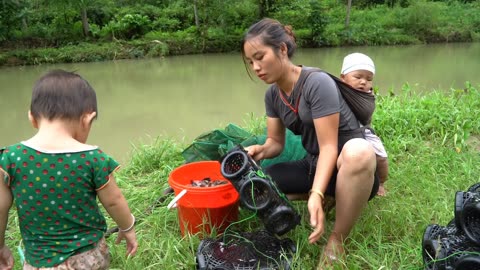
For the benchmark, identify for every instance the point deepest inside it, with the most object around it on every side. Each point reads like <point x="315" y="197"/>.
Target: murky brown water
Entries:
<point x="183" y="96"/>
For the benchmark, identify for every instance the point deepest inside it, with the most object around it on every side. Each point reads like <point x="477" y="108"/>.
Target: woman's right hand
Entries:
<point x="6" y="259"/>
<point x="131" y="239"/>
<point x="255" y="151"/>
<point x="317" y="217"/>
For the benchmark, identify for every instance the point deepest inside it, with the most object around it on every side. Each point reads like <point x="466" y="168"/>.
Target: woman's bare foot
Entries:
<point x="333" y="253"/>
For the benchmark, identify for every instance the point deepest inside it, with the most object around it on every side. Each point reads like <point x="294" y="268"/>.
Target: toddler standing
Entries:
<point x="55" y="178"/>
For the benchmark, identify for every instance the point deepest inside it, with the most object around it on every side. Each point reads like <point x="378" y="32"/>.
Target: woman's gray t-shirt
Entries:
<point x="319" y="97"/>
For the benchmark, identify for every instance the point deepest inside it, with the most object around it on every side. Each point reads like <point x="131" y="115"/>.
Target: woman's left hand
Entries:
<point x="317" y="217"/>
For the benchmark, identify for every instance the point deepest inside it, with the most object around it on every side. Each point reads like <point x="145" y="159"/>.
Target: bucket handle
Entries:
<point x="173" y="203"/>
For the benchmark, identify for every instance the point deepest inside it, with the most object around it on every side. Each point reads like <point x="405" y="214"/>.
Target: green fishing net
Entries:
<point x="214" y="144"/>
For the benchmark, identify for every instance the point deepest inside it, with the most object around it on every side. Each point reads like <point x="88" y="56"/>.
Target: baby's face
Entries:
<point x="359" y="79"/>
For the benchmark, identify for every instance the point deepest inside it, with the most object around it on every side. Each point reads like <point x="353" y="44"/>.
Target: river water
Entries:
<point x="181" y="97"/>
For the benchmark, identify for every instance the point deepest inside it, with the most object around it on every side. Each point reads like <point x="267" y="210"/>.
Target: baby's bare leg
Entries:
<point x="382" y="172"/>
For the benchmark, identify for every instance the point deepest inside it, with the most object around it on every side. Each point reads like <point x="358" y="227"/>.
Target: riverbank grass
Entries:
<point x="431" y="142"/>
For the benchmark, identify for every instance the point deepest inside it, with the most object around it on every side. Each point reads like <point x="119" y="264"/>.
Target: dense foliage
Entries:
<point x="150" y="28"/>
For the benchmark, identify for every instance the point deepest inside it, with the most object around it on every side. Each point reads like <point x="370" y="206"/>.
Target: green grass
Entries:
<point x="433" y="151"/>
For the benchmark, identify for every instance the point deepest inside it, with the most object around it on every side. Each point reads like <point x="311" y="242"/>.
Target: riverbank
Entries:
<point x="432" y="141"/>
<point x="140" y="32"/>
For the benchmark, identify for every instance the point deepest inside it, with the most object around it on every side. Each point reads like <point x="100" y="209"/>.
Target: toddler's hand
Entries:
<point x="6" y="259"/>
<point x="131" y="239"/>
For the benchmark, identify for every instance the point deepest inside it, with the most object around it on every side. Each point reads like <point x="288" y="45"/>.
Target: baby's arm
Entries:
<point x="114" y="202"/>
<point x="6" y="258"/>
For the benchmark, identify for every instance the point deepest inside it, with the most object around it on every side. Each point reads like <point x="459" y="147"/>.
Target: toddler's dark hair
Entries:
<point x="60" y="94"/>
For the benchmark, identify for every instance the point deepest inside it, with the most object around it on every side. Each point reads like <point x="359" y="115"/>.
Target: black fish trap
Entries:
<point x="258" y="192"/>
<point x="245" y="251"/>
<point x="457" y="245"/>
<point x="467" y="214"/>
<point x="452" y="252"/>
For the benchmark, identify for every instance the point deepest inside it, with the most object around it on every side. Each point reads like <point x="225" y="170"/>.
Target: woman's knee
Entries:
<point x="359" y="153"/>
<point x="357" y="163"/>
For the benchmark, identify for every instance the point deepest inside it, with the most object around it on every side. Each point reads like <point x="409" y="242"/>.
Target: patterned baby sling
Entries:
<point x="362" y="104"/>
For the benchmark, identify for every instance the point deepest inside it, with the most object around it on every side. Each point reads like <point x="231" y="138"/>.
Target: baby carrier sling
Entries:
<point x="362" y="104"/>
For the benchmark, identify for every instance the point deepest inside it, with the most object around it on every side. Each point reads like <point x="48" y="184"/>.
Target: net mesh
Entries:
<point x="469" y="262"/>
<point x="471" y="222"/>
<point x="467" y="214"/>
<point x="258" y="192"/>
<point x="214" y="144"/>
<point x="235" y="166"/>
<point x="474" y="188"/>
<point x="245" y="251"/>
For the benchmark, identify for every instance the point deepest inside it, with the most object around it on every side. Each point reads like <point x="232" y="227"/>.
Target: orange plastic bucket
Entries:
<point x="202" y="209"/>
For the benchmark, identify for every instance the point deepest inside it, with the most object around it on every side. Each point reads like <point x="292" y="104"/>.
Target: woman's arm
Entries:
<point x="274" y="144"/>
<point x="326" y="129"/>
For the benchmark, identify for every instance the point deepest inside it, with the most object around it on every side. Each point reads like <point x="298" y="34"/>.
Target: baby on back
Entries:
<point x="358" y="71"/>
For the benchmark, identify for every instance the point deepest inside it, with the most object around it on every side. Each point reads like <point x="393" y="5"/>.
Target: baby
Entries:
<point x="358" y="71"/>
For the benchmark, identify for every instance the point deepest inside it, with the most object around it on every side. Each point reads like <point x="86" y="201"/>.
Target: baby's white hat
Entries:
<point x="357" y="61"/>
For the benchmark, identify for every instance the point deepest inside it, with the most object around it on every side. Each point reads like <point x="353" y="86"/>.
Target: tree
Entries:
<point x="80" y="6"/>
<point x="195" y="11"/>
<point x="12" y="14"/>
<point x="21" y="14"/>
<point x="85" y="25"/>
<point x="263" y="8"/>
<point x="318" y="20"/>
<point x="347" y="18"/>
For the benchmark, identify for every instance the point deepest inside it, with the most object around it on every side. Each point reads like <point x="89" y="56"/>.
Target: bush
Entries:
<point x="334" y="34"/>
<point x="217" y="40"/>
<point x="166" y="24"/>
<point x="422" y="20"/>
<point x="129" y="26"/>
<point x="157" y="48"/>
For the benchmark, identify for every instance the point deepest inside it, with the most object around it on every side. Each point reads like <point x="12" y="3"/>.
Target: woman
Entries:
<point x="339" y="163"/>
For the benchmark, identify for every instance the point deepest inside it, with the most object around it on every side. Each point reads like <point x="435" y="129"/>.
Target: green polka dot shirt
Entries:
<point x="56" y="200"/>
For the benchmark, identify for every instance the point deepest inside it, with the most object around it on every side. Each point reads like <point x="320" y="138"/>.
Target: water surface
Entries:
<point x="183" y="96"/>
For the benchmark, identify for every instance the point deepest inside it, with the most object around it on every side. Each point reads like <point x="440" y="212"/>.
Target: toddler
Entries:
<point x="55" y="178"/>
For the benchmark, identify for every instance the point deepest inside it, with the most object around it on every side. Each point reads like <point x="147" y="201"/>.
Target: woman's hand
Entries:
<point x="317" y="217"/>
<point x="131" y="239"/>
<point x="6" y="259"/>
<point x="255" y="151"/>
